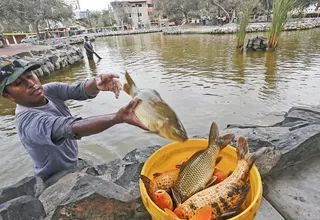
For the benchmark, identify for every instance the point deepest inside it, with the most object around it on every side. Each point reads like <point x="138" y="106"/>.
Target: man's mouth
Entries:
<point x="35" y="91"/>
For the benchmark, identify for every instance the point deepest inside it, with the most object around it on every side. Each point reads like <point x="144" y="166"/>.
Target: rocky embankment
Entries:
<point x="296" y="24"/>
<point x="79" y="39"/>
<point x="51" y="58"/>
<point x="111" y="190"/>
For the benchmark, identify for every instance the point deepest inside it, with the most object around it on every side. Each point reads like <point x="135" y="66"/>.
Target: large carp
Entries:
<point x="196" y="173"/>
<point x="154" y="113"/>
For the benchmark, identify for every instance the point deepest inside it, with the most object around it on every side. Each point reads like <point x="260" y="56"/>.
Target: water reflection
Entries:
<point x="271" y="73"/>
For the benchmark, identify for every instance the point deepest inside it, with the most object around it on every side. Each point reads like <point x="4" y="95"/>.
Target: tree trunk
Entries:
<point x="186" y="16"/>
<point x="317" y="6"/>
<point x="37" y="28"/>
<point x="219" y="6"/>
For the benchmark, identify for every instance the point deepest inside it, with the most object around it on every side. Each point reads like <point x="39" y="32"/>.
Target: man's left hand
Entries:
<point x="109" y="82"/>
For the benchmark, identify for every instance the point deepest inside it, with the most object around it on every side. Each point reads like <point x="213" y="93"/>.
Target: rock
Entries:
<point x="22" y="208"/>
<point x="24" y="54"/>
<point x="290" y="141"/>
<point x="258" y="43"/>
<point x="78" y="166"/>
<point x="84" y="196"/>
<point x="32" y="186"/>
<point x="294" y="191"/>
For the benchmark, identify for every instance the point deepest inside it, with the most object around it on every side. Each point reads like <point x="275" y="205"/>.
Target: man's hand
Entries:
<point x="126" y="114"/>
<point x="109" y="82"/>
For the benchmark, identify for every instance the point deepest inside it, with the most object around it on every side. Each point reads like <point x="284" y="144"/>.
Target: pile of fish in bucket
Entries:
<point x="196" y="189"/>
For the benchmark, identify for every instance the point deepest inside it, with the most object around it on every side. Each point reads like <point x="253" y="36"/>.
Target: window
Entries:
<point x="139" y="14"/>
<point x="139" y="5"/>
<point x="129" y="15"/>
<point x="150" y="5"/>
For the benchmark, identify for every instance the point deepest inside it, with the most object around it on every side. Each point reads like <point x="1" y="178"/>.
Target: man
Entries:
<point x="44" y="123"/>
<point x="89" y="48"/>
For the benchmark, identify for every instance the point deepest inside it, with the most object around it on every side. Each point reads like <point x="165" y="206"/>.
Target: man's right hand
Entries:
<point x="126" y="114"/>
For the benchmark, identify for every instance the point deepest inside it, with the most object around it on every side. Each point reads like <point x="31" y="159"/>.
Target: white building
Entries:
<point x="139" y="11"/>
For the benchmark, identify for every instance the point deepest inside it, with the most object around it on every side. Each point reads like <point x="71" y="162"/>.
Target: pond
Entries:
<point x="199" y="76"/>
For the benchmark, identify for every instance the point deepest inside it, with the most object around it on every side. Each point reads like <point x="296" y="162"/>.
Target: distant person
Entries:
<point x="89" y="48"/>
<point x="2" y="40"/>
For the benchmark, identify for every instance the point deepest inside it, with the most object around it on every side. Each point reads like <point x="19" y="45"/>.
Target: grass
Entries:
<point x="281" y="8"/>
<point x="246" y="10"/>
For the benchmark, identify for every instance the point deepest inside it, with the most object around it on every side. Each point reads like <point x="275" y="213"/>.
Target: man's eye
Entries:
<point x="17" y="83"/>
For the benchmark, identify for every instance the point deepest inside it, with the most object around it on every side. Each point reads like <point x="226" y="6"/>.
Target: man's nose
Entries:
<point x="28" y="82"/>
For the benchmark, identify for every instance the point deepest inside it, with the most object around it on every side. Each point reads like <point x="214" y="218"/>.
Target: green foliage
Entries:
<point x="22" y="13"/>
<point x="281" y="9"/>
<point x="247" y="7"/>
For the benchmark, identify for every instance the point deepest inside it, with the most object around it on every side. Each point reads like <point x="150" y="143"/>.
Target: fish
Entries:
<point x="162" y="199"/>
<point x="205" y="213"/>
<point x="226" y="197"/>
<point x="196" y="173"/>
<point x="154" y="113"/>
<point x="160" y="181"/>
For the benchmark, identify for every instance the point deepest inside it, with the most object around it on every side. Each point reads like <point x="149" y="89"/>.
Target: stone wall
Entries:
<point x="292" y="25"/>
<point x="51" y="58"/>
<point x="111" y="190"/>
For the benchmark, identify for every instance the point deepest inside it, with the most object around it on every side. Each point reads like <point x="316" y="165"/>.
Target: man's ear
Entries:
<point x="8" y="96"/>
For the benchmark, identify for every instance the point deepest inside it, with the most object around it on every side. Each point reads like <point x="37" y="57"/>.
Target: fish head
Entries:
<point x="173" y="130"/>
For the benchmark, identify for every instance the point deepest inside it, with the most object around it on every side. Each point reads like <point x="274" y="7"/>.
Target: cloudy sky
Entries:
<point x="94" y="4"/>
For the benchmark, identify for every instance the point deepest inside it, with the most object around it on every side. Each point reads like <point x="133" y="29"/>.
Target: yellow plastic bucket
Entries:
<point x="175" y="153"/>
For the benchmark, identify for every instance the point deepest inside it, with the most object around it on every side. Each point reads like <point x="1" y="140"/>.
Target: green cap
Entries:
<point x="10" y="71"/>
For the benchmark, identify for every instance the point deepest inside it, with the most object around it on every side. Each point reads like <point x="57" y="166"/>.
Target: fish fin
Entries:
<point x="176" y="197"/>
<point x="214" y="133"/>
<point x="180" y="165"/>
<point x="242" y="148"/>
<point x="252" y="157"/>
<point x="156" y="174"/>
<point x="129" y="87"/>
<point x="218" y="160"/>
<point x="171" y="213"/>
<point x="211" y="181"/>
<point x="150" y="132"/>
<point x="225" y="140"/>
<point x="243" y="151"/>
<point x="147" y="182"/>
<point x="227" y="215"/>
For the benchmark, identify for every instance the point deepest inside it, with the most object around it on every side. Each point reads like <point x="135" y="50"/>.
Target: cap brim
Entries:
<point x="17" y="73"/>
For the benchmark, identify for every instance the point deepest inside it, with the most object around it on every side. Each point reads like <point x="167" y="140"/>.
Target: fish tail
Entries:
<point x="214" y="133"/>
<point x="147" y="183"/>
<point x="243" y="151"/>
<point x="129" y="87"/>
<point x="225" y="140"/>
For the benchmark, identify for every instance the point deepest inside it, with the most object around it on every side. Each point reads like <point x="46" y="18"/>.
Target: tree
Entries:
<point x="23" y="12"/>
<point x="121" y="13"/>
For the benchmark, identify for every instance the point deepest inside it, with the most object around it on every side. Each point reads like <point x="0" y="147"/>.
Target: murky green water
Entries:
<point x="198" y="75"/>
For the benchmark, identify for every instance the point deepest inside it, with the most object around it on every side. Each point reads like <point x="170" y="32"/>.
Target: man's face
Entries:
<point x="86" y="39"/>
<point x="26" y="90"/>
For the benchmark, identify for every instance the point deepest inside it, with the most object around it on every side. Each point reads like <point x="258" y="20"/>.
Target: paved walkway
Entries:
<point x="18" y="48"/>
<point x="294" y="193"/>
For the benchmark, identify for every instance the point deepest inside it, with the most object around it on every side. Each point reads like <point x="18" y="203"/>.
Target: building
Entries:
<point x="139" y="11"/>
<point x="74" y="3"/>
